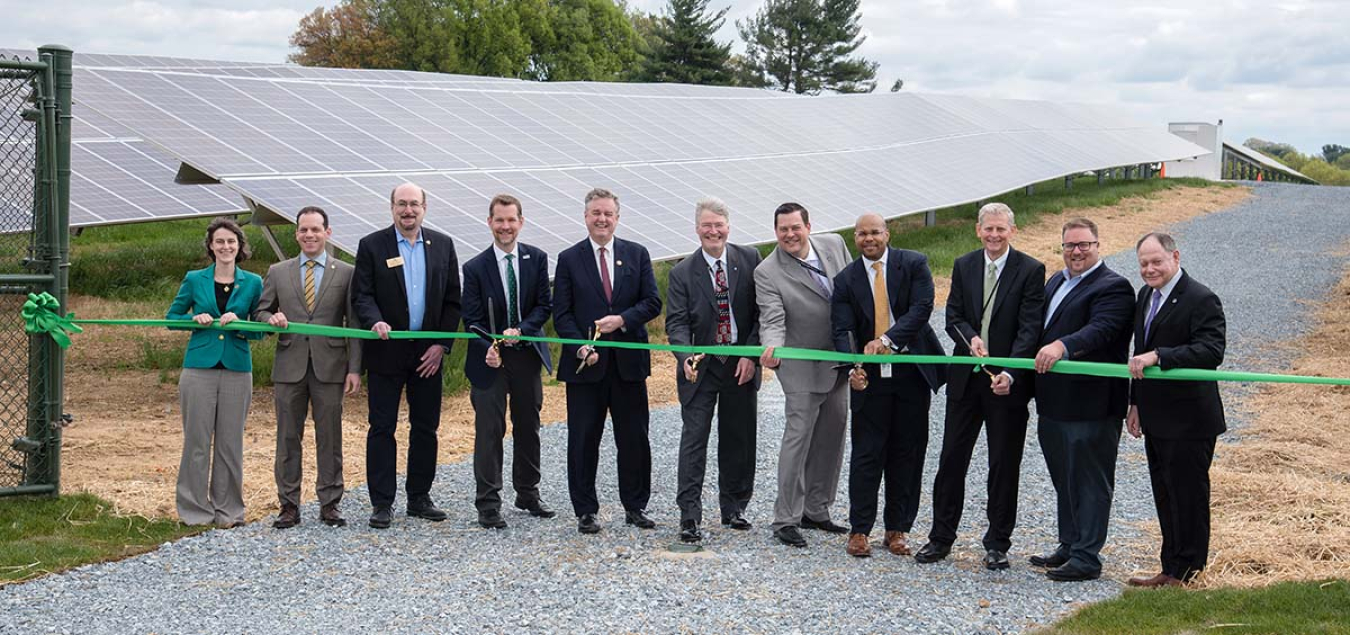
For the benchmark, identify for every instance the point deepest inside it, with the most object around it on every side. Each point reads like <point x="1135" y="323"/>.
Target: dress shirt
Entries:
<point x="320" y="263"/>
<point x="998" y="264"/>
<point x="609" y="260"/>
<point x="712" y="275"/>
<point x="414" y="256"/>
<point x="890" y="314"/>
<point x="1070" y="281"/>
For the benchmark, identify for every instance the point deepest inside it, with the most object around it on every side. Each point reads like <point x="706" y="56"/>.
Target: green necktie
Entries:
<point x="511" y="312"/>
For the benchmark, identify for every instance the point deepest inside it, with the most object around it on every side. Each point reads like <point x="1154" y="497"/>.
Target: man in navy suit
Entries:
<point x="604" y="286"/>
<point x="1087" y="318"/>
<point x="407" y="279"/>
<point x="881" y="305"/>
<point x="506" y="291"/>
<point x="1178" y="323"/>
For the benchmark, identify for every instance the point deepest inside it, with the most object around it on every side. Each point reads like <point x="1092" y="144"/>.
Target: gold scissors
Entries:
<point x="595" y="337"/>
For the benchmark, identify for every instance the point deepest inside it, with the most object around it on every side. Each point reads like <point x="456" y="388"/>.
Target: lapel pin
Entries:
<point x="618" y="263"/>
<point x="525" y="257"/>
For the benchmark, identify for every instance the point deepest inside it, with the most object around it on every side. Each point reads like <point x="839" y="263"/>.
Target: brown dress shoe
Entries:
<point x="289" y="517"/>
<point x="329" y="515"/>
<point x="859" y="546"/>
<point x="895" y="543"/>
<point x="1160" y="580"/>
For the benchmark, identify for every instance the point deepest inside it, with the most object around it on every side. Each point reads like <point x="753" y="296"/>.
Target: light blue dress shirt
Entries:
<point x="321" y="264"/>
<point x="414" y="256"/>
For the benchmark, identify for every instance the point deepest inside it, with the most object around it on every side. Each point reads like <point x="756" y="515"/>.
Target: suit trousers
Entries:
<point x="626" y="404"/>
<point x="215" y="404"/>
<point x="294" y="402"/>
<point x="424" y="418"/>
<point x="890" y="438"/>
<point x="1004" y="419"/>
<point x="1179" y="472"/>
<point x="1081" y="459"/>
<point x="517" y="378"/>
<point x="736" y="428"/>
<point x="811" y="455"/>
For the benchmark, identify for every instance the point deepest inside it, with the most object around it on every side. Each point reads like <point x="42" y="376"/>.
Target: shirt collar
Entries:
<point x="1172" y="284"/>
<point x="1069" y="278"/>
<point x="881" y="260"/>
<point x="321" y="259"/>
<point x="1002" y="260"/>
<point x="595" y="246"/>
<point x="403" y="239"/>
<point x="502" y="254"/>
<point x="712" y="262"/>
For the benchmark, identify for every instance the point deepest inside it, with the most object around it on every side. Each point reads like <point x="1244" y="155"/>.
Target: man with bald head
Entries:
<point x="880" y="306"/>
<point x="406" y="279"/>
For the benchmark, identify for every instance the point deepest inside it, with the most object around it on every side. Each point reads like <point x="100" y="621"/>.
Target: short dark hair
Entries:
<point x="312" y="209"/>
<point x="1080" y="222"/>
<point x="1165" y="241"/>
<point x="788" y="208"/>
<point x="222" y="222"/>
<point x="506" y="199"/>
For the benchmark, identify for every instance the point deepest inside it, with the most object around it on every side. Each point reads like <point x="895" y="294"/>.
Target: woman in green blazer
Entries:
<point x="215" y="388"/>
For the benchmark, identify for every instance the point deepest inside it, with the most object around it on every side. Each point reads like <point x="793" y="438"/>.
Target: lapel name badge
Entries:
<point x="394" y="262"/>
<point x="525" y="257"/>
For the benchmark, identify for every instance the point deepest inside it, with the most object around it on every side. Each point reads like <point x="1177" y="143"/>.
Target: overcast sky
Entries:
<point x="1277" y="70"/>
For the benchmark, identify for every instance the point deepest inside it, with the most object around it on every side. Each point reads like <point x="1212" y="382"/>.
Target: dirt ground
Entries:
<point x="126" y="441"/>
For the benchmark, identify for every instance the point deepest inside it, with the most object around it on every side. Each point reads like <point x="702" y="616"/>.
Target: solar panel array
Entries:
<point x="1266" y="161"/>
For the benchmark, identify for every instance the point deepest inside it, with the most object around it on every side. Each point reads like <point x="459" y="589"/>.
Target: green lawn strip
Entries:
<point x="1287" y="609"/>
<point x="46" y="535"/>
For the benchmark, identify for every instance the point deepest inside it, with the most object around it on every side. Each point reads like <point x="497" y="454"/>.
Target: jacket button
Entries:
<point x="222" y="337"/>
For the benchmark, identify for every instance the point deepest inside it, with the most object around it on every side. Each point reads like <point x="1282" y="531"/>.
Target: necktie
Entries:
<point x="821" y="280"/>
<point x="990" y="284"/>
<point x="1152" y="311"/>
<point x="511" y="307"/>
<point x="723" y="305"/>
<point x="881" y="304"/>
<point x="309" y="284"/>
<point x="604" y="277"/>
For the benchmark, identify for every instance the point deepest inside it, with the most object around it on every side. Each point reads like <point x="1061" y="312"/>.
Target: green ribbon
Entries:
<point x="40" y="317"/>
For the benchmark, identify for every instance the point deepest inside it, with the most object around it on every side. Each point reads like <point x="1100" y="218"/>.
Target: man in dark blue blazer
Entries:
<point x="406" y="279"/>
<point x="1178" y="323"/>
<point x="880" y="305"/>
<point x="506" y="291"/>
<point x="1087" y="318"/>
<point x="604" y="286"/>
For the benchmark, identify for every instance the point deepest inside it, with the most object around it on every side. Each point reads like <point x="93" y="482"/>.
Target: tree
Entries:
<point x="804" y="46"/>
<point x="346" y="36"/>
<point x="1333" y="152"/>
<point x="683" y="48"/>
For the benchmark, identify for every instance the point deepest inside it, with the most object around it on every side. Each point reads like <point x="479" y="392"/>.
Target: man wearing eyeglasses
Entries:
<point x="1088" y="314"/>
<point x="407" y="279"/>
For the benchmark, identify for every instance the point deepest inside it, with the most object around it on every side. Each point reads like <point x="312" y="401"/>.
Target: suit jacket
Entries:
<point x="794" y="312"/>
<point x="378" y="295"/>
<point x="691" y="307"/>
<point x="483" y="288"/>
<point x="1093" y="322"/>
<point x="909" y="289"/>
<point x="1189" y="331"/>
<point x="207" y="347"/>
<point x="579" y="300"/>
<point x="284" y="292"/>
<point x="1014" y="326"/>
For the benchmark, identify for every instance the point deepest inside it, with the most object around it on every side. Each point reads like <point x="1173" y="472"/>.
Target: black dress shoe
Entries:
<point x="491" y="519"/>
<point x="382" y="517"/>
<point x="587" y="524"/>
<point x="1050" y="560"/>
<point x="823" y="525"/>
<point x="536" y="509"/>
<point x="426" y="510"/>
<point x="932" y="552"/>
<point x="689" y="531"/>
<point x="289" y="517"/>
<point x="995" y="560"/>
<point x="789" y="536"/>
<point x="1070" y="572"/>
<point x="736" y="521"/>
<point x="639" y="518"/>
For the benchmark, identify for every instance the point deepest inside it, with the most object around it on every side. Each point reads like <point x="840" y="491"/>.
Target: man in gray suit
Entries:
<point x="710" y="301"/>
<point x="312" y="288"/>
<point x="793" y="287"/>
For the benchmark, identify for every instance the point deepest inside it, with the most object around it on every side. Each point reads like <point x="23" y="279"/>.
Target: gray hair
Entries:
<point x="711" y="204"/>
<point x="996" y="208"/>
<point x="1166" y="241"/>
<point x="601" y="192"/>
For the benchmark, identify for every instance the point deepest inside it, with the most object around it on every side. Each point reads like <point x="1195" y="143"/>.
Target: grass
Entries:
<point x="46" y="535"/>
<point x="1288" y="608"/>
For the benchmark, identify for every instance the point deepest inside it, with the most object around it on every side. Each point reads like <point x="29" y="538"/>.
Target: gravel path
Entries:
<point x="1264" y="258"/>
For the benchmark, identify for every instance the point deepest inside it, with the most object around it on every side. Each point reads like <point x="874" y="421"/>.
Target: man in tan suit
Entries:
<point x="310" y="371"/>
<point x="793" y="287"/>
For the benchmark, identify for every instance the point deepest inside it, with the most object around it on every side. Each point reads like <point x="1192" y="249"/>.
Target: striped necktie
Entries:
<point x="309" y="284"/>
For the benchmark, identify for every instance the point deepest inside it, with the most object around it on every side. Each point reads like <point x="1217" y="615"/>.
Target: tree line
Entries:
<point x="800" y="46"/>
<point x="1332" y="167"/>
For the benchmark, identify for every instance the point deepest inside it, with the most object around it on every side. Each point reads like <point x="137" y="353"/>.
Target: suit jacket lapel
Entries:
<point x="593" y="271"/>
<point x="1165" y="309"/>
<point x="799" y="273"/>
<point x="1010" y="268"/>
<point x="861" y="279"/>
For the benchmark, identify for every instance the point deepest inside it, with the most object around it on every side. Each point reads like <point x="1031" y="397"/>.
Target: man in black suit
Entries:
<point x="1178" y="323"/>
<point x="711" y="302"/>
<point x="605" y="285"/>
<point x="506" y="291"/>
<point x="1087" y="318"/>
<point x="407" y="279"/>
<point x="994" y="308"/>
<point x="881" y="305"/>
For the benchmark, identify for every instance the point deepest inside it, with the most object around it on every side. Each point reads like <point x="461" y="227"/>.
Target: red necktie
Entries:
<point x="604" y="277"/>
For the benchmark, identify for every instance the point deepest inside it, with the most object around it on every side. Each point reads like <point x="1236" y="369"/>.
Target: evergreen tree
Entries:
<point x="806" y="46"/>
<point x="683" y="48"/>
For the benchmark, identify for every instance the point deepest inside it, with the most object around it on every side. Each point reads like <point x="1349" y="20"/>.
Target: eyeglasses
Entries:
<point x="407" y="204"/>
<point x="1081" y="246"/>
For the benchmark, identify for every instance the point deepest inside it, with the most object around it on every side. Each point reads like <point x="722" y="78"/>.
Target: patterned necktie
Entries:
<point x="881" y="303"/>
<point x="723" y="305"/>
<point x="990" y="284"/>
<point x="511" y="307"/>
<point x="821" y="280"/>
<point x="1152" y="311"/>
<point x="604" y="277"/>
<point x="309" y="284"/>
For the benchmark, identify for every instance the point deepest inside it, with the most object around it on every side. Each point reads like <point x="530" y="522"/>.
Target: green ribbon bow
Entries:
<point x="40" y="315"/>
